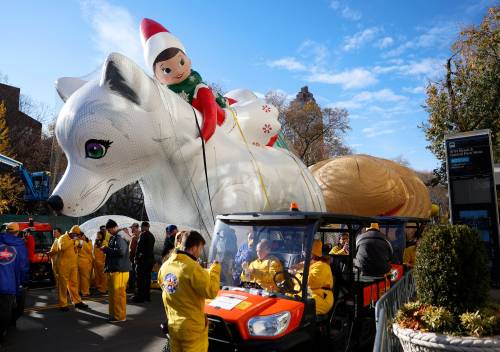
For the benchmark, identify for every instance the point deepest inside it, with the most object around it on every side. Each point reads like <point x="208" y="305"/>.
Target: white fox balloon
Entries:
<point x="126" y="127"/>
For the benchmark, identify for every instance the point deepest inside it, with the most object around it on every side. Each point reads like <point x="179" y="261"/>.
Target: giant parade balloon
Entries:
<point x="126" y="127"/>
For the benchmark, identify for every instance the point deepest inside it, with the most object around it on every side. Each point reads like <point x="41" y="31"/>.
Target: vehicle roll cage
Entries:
<point x="322" y="223"/>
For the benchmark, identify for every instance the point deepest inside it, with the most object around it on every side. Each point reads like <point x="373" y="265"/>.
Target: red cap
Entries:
<point x="150" y="27"/>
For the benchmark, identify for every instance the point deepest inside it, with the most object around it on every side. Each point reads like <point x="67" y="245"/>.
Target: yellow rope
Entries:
<point x="256" y="165"/>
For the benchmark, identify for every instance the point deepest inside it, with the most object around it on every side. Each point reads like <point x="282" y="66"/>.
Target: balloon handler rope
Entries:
<point x="254" y="162"/>
<point x="204" y="163"/>
<point x="194" y="192"/>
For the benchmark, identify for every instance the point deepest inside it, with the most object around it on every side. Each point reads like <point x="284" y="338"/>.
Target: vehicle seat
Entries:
<point x="288" y="259"/>
<point x="276" y="245"/>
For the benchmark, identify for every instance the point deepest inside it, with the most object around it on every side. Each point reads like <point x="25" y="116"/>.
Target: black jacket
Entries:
<point x="168" y="245"/>
<point x="117" y="255"/>
<point x="144" y="254"/>
<point x="373" y="253"/>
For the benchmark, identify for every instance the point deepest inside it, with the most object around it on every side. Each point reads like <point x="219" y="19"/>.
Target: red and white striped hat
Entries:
<point x="155" y="38"/>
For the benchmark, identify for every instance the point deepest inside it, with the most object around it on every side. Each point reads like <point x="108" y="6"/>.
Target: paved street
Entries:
<point x="44" y="327"/>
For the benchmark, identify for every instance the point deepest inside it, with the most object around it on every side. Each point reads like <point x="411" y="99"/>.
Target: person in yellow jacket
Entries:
<point x="263" y="269"/>
<point x="85" y="259"/>
<point x="342" y="248"/>
<point x="186" y="285"/>
<point x="54" y="254"/>
<point x="68" y="270"/>
<point x="410" y="254"/>
<point x="320" y="280"/>
<point x="101" y="279"/>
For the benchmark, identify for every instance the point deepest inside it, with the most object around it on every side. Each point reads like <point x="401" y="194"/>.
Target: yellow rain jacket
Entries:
<point x="186" y="285"/>
<point x="337" y="250"/>
<point x="320" y="282"/>
<point x="54" y="256"/>
<point x="85" y="267"/>
<point x="68" y="270"/>
<point x="101" y="280"/>
<point x="262" y="272"/>
<point x="410" y="255"/>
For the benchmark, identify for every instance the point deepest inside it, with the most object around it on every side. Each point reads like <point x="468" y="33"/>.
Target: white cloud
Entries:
<point x="319" y="52"/>
<point x="287" y="63"/>
<point x="114" y="30"/>
<point x="385" y="69"/>
<point x="375" y="131"/>
<point x="399" y="50"/>
<point x="441" y="35"/>
<point x="358" y="39"/>
<point x="364" y="98"/>
<point x="350" y="79"/>
<point x="384" y="42"/>
<point x="345" y="10"/>
<point x="427" y="67"/>
<point x="438" y="36"/>
<point x="414" y="90"/>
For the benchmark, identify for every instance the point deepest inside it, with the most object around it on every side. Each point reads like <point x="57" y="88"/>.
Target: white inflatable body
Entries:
<point x="127" y="127"/>
<point x="91" y="227"/>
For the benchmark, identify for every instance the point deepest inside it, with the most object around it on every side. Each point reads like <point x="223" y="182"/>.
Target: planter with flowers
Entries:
<point x="452" y="311"/>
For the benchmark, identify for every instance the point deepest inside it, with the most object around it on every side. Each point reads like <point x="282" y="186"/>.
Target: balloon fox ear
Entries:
<point x="66" y="86"/>
<point x="124" y="77"/>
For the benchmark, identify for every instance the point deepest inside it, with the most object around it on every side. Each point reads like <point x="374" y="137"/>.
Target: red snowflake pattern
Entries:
<point x="266" y="108"/>
<point x="267" y="128"/>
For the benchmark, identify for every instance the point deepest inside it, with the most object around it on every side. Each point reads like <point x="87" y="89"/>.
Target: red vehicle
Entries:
<point x="38" y="239"/>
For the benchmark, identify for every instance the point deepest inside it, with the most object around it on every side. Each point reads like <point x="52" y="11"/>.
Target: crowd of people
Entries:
<point x="122" y="259"/>
<point x="118" y="259"/>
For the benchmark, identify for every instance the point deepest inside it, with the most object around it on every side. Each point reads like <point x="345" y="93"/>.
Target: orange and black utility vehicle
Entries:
<point x="246" y="317"/>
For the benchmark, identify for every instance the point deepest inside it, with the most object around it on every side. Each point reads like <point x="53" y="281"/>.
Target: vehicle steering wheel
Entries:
<point x="287" y="283"/>
<point x="250" y="284"/>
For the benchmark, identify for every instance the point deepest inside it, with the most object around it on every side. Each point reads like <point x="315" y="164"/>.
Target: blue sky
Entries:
<point x="372" y="57"/>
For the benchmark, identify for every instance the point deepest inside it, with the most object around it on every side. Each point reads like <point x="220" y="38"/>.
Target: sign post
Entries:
<point x="472" y="190"/>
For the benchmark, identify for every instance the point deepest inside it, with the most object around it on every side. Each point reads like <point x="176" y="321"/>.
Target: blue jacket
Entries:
<point x="14" y="265"/>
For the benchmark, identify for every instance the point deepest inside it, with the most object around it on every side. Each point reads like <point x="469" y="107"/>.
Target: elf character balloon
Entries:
<point x="166" y="56"/>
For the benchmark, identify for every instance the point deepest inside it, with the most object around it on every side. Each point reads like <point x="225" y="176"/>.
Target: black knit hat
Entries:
<point x="110" y="224"/>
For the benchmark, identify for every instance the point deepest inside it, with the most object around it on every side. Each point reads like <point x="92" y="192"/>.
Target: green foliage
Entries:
<point x="425" y="317"/>
<point x="451" y="269"/>
<point x="478" y="323"/>
<point x="11" y="188"/>
<point x="438" y="318"/>
<point x="468" y="97"/>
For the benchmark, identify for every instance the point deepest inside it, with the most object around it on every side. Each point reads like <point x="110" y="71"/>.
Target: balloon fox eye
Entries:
<point x="96" y="148"/>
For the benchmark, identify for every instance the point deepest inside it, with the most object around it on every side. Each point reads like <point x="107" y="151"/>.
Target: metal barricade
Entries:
<point x="385" y="312"/>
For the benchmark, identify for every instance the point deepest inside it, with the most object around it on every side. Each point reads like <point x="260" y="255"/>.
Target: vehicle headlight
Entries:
<point x="269" y="325"/>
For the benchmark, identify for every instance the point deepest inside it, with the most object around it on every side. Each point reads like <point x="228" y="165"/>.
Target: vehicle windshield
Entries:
<point x="43" y="240"/>
<point x="250" y="253"/>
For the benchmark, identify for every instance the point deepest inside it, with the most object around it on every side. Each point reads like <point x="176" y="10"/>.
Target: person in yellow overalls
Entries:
<point x="84" y="264"/>
<point x="68" y="270"/>
<point x="54" y="255"/>
<point x="186" y="285"/>
<point x="263" y="269"/>
<point x="117" y="267"/>
<point x="101" y="279"/>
